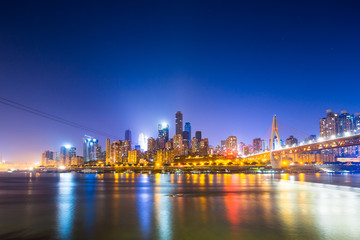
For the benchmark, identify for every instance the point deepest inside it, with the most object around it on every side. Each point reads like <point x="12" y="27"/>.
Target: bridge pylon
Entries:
<point x="275" y="163"/>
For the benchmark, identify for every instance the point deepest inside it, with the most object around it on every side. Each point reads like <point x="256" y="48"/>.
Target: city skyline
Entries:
<point x="340" y="125"/>
<point x="128" y="135"/>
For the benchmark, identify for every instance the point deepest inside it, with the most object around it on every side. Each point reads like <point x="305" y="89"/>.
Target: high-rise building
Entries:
<point x="195" y="146"/>
<point x="133" y="157"/>
<point x="258" y="145"/>
<point x="188" y="129"/>
<point x="178" y="145"/>
<point x="223" y="145"/>
<point x="90" y="148"/>
<point x="198" y="136"/>
<point x="357" y="122"/>
<point x="66" y="153"/>
<point x="185" y="136"/>
<point x="152" y="147"/>
<point x="116" y="152"/>
<point x="168" y="145"/>
<point x="77" y="161"/>
<point x="163" y="129"/>
<point x="204" y="147"/>
<point x="127" y="147"/>
<point x="346" y="123"/>
<point x="231" y="144"/>
<point x="241" y="147"/>
<point x="165" y="156"/>
<point x="291" y="141"/>
<point x="48" y="159"/>
<point x="143" y="142"/>
<point x="108" y="153"/>
<point x="179" y="123"/>
<point x="128" y="135"/>
<point x="329" y="126"/>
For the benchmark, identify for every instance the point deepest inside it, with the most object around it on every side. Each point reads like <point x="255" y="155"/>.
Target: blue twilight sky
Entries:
<point x="227" y="65"/>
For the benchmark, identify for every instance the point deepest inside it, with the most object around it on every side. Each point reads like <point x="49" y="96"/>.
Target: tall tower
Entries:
<point x="198" y="136"/>
<point x="128" y="135"/>
<point x="108" y="156"/>
<point x="163" y="129"/>
<point x="188" y="129"/>
<point x="275" y="163"/>
<point x="178" y="123"/>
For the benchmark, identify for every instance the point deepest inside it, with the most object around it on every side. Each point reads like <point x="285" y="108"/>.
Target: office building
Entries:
<point x="178" y="123"/>
<point x="195" y="146"/>
<point x="178" y="145"/>
<point x="198" y="136"/>
<point x="128" y="135"/>
<point x="152" y="147"/>
<point x="163" y="134"/>
<point x="231" y="144"/>
<point x="66" y="153"/>
<point x="91" y="151"/>
<point x="188" y="129"/>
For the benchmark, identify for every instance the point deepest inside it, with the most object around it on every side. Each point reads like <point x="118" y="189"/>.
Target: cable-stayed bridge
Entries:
<point x="277" y="152"/>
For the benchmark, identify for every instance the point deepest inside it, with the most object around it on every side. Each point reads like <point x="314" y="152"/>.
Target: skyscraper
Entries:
<point x="198" y="136"/>
<point x="204" y="147"/>
<point x="152" y="147"/>
<point x="66" y="153"/>
<point x="194" y="146"/>
<point x="178" y="145"/>
<point x="90" y="148"/>
<point x="346" y="122"/>
<point x="163" y="133"/>
<point x="143" y="142"/>
<point x="179" y="123"/>
<point x="128" y="135"/>
<point x="291" y="141"/>
<point x="108" y="153"/>
<point x="231" y="144"/>
<point x="258" y="145"/>
<point x="329" y="126"/>
<point x="188" y="129"/>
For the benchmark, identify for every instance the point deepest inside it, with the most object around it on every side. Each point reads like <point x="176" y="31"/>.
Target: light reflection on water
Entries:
<point x="65" y="204"/>
<point x="213" y="206"/>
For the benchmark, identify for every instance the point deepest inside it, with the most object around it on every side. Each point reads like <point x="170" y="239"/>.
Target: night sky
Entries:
<point x="228" y="66"/>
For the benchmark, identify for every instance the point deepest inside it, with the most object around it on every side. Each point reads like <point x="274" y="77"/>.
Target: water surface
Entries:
<point x="212" y="206"/>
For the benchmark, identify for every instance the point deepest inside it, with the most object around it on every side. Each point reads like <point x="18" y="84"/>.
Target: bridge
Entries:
<point x="276" y="154"/>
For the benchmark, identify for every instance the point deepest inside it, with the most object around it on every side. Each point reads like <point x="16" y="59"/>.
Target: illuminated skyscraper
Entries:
<point x="258" y="145"/>
<point x="329" y="126"/>
<point x="128" y="135"/>
<point x="152" y="147"/>
<point x="108" y="153"/>
<point x="48" y="158"/>
<point x="178" y="145"/>
<point x="163" y="134"/>
<point x="90" y="148"/>
<point x="66" y="153"/>
<point x="198" y="136"/>
<point x="126" y="146"/>
<point x="133" y="157"/>
<point x="188" y="129"/>
<point x="204" y="147"/>
<point x="194" y="145"/>
<point x="179" y="123"/>
<point x="291" y="141"/>
<point x="231" y="144"/>
<point x="346" y="123"/>
<point x="168" y="145"/>
<point x="143" y="142"/>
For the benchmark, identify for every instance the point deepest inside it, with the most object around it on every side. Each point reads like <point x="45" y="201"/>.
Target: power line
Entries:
<point x="43" y="114"/>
